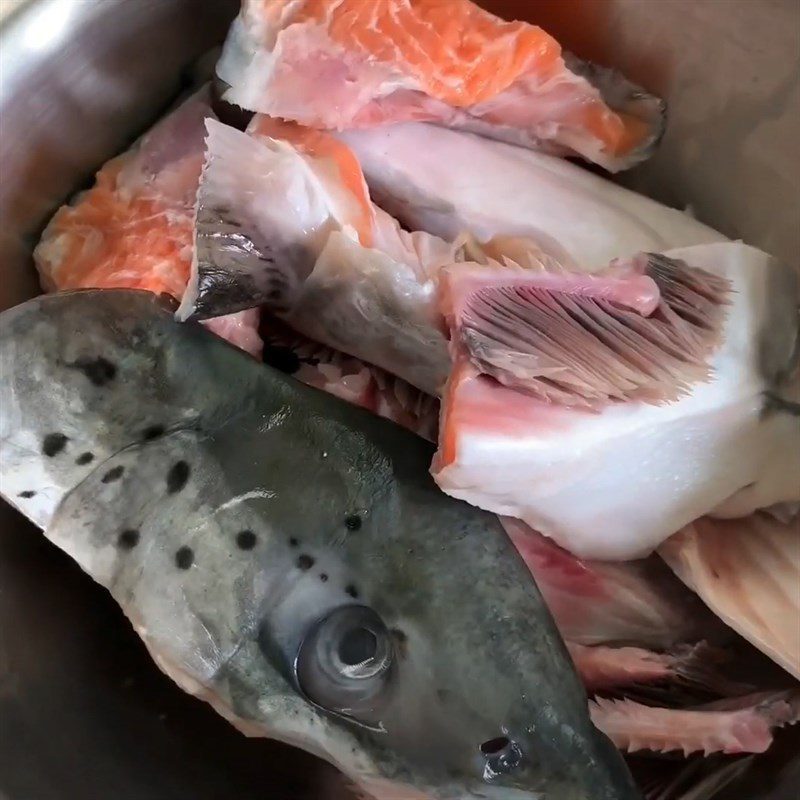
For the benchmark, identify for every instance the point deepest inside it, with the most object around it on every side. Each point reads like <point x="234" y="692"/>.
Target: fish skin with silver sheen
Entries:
<point x="332" y="619"/>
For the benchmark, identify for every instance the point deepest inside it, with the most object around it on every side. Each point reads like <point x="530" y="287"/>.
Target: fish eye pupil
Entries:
<point x="345" y="662"/>
<point x="493" y="747"/>
<point x="358" y="645"/>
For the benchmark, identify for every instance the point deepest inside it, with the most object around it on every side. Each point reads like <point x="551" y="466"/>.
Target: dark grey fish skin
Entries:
<point x="287" y="557"/>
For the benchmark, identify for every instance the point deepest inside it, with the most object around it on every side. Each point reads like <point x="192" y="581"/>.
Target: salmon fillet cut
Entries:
<point x="341" y="64"/>
<point x="133" y="228"/>
<point x="613" y="482"/>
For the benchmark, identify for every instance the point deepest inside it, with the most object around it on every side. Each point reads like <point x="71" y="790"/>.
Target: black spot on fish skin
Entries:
<point x="304" y="562"/>
<point x="99" y="371"/>
<point x="177" y="477"/>
<point x="352" y="591"/>
<point x="27" y="494"/>
<point x="352" y="522"/>
<point x="294" y="542"/>
<point x="54" y="443"/>
<point x="281" y="358"/>
<point x="84" y="458"/>
<point x="184" y="557"/>
<point x="323" y="577"/>
<point x="167" y="301"/>
<point x="114" y="474"/>
<point x="153" y="432"/>
<point x="128" y="539"/>
<point x="246" y="540"/>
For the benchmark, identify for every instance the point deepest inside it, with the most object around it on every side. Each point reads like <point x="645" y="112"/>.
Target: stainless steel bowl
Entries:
<point x="83" y="711"/>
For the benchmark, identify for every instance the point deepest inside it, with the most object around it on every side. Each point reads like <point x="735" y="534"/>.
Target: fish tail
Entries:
<point x="242" y="258"/>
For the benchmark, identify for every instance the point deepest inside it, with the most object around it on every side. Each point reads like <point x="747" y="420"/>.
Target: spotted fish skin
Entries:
<point x="233" y="513"/>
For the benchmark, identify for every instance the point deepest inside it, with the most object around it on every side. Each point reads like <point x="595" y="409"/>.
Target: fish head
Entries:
<point x="287" y="557"/>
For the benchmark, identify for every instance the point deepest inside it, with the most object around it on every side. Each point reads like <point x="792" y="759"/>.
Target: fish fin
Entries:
<point x="242" y="257"/>
<point x="585" y="342"/>
<point x="643" y="674"/>
<point x="735" y="725"/>
<point x="697" y="666"/>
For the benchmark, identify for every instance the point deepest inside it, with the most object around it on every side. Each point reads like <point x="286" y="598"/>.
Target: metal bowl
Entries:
<point x="83" y="711"/>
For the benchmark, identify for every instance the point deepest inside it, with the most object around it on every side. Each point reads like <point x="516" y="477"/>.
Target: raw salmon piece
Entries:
<point x="273" y="530"/>
<point x="340" y="64"/>
<point x="285" y="220"/>
<point x="748" y="572"/>
<point x="133" y="228"/>
<point x="614" y="483"/>
<point x="446" y="181"/>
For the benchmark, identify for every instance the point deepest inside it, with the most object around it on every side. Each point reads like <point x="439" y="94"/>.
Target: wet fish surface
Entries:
<point x="287" y="558"/>
<point x="615" y="483"/>
<point x="342" y="64"/>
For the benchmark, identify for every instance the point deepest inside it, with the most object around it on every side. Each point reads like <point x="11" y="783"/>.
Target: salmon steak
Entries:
<point x="341" y="64"/>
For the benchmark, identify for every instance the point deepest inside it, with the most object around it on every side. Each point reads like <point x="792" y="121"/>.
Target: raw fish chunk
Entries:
<point x="285" y="220"/>
<point x="444" y="181"/>
<point x="340" y="64"/>
<point x="615" y="482"/>
<point x="133" y="229"/>
<point x="285" y="557"/>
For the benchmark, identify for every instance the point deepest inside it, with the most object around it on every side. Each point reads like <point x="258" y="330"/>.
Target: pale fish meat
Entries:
<point x="609" y="477"/>
<point x="285" y="556"/>
<point x="444" y="182"/>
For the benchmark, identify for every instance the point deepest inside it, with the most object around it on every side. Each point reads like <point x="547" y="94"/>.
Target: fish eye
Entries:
<point x="344" y="662"/>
